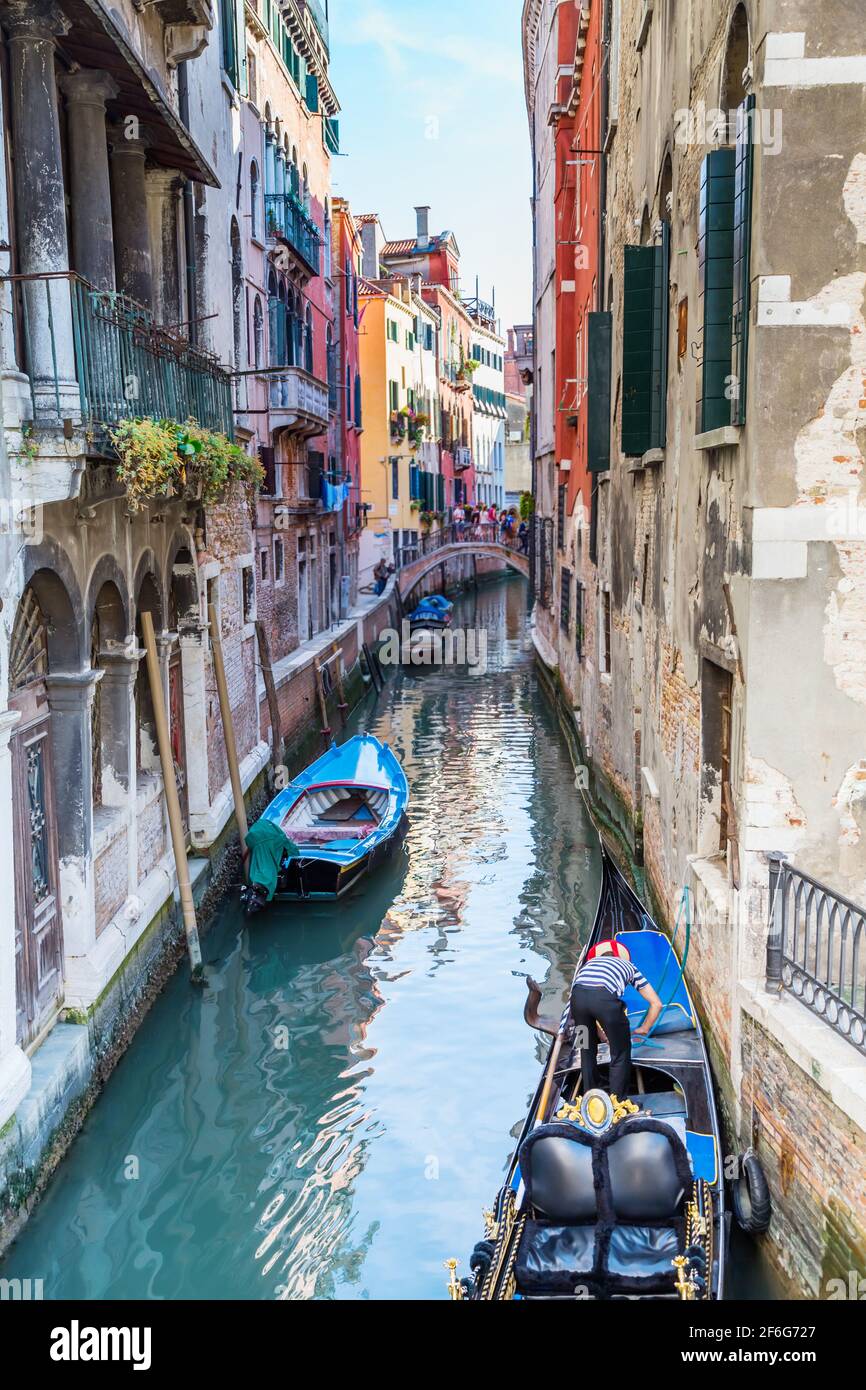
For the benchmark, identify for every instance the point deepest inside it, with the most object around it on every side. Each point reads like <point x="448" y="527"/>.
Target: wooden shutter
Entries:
<point x="637" y="340"/>
<point x="659" y="360"/>
<point x="598" y="355"/>
<point x="312" y="92"/>
<point x="716" y="272"/>
<point x="743" y="161"/>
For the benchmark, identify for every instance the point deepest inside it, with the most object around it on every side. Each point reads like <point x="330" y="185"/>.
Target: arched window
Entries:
<point x="237" y="290"/>
<point x="254" y="199"/>
<point x="308" y="342"/>
<point x="258" y="334"/>
<point x="734" y="72"/>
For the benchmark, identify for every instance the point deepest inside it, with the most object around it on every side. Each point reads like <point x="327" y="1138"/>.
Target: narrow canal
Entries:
<point x="328" y="1118"/>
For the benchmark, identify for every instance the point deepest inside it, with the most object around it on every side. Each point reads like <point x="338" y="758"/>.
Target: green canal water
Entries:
<point x="329" y="1116"/>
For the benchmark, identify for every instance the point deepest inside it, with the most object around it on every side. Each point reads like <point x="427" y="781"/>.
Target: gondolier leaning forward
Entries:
<point x="596" y="1002"/>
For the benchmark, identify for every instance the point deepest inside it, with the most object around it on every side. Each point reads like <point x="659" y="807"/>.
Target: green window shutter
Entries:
<point x="312" y="92"/>
<point x="637" y="343"/>
<point x="659" y="362"/>
<point x="743" y="162"/>
<point x="716" y="279"/>
<point x="598" y="358"/>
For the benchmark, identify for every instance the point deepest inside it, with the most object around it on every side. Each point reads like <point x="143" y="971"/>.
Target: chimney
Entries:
<point x="423" y="225"/>
<point x="370" y="251"/>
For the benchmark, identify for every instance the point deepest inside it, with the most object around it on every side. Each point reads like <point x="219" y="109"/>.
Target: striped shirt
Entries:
<point x="612" y="973"/>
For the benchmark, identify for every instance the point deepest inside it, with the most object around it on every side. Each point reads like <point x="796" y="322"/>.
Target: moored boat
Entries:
<point x="341" y="818"/>
<point x="618" y="1197"/>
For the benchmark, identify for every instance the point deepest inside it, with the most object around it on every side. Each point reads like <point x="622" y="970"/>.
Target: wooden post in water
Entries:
<point x="271" y="692"/>
<point x="323" y="704"/>
<point x="338" y="676"/>
<point x="228" y="726"/>
<point x="172" y="801"/>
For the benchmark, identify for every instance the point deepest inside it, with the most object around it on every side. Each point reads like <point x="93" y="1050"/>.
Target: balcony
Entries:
<point x="288" y="221"/>
<point x="95" y="358"/>
<point x="462" y="459"/>
<point x="298" y="402"/>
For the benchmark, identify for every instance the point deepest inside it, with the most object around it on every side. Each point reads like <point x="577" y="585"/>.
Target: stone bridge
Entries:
<point x="413" y="571"/>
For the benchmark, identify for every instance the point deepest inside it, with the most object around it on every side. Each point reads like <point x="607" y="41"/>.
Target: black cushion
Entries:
<point x="647" y="1177"/>
<point x="557" y="1170"/>
<point x="643" y="1252"/>
<point x="554" y="1259"/>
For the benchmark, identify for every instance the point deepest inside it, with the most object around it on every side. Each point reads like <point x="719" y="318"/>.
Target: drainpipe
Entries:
<point x="188" y="215"/>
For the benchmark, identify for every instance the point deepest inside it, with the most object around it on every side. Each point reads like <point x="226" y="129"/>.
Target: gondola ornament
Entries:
<point x="596" y="1112"/>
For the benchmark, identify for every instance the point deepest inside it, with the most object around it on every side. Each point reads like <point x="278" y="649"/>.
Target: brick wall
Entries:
<point x="151" y="836"/>
<point x="813" y="1157"/>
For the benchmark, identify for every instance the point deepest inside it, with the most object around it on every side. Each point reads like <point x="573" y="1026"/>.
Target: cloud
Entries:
<point x="402" y="39"/>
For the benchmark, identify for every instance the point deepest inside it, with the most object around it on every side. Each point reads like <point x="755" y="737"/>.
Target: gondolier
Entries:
<point x="596" y="1001"/>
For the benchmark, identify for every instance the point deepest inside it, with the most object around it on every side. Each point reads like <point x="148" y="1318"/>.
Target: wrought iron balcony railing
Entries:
<point x="816" y="949"/>
<point x="287" y="219"/>
<point x="124" y="364"/>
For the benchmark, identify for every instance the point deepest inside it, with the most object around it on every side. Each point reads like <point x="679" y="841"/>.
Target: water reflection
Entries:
<point x="328" y="1118"/>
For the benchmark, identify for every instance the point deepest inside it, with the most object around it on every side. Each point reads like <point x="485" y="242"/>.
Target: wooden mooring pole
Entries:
<point x="172" y="801"/>
<point x="228" y="726"/>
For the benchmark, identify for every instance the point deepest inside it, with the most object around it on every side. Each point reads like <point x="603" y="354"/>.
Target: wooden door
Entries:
<point x="38" y="923"/>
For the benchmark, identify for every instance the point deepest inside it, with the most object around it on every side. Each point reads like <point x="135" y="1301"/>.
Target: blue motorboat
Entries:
<point x="432" y="613"/>
<point x="341" y="818"/>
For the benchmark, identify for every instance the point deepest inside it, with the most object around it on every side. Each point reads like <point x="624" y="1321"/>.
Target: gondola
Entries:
<point x="615" y="1198"/>
<point x="331" y="826"/>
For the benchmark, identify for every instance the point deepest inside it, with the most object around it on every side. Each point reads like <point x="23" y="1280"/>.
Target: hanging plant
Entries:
<point x="159" y="458"/>
<point x="527" y="505"/>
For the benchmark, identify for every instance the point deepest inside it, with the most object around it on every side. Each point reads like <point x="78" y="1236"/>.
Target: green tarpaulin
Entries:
<point x="267" y="845"/>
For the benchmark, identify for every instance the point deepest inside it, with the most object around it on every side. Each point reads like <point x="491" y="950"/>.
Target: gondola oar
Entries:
<point x="548" y="1080"/>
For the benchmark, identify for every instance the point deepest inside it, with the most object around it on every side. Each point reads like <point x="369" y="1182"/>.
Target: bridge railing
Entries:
<point x="453" y="533"/>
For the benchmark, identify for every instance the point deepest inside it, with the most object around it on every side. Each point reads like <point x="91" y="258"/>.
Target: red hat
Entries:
<point x="608" y="948"/>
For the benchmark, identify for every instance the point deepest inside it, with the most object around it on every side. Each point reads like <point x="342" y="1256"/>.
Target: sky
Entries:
<point x="433" y="113"/>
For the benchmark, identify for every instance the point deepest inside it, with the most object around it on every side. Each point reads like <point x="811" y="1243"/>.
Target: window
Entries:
<point x="358" y="400"/>
<point x="395" y="479"/>
<point x="263" y="565"/>
<point x="716" y="715"/>
<point x="393" y="396"/>
<point x="279" y="560"/>
<point x="604" y="655"/>
<point x="308" y="342"/>
<point x="248" y="593"/>
<point x="560" y="515"/>
<point x="254" y="199"/>
<point x="565" y="600"/>
<point x="393" y="331"/>
<point x="252" y="78"/>
<point x="258" y="333"/>
<point x="578" y="620"/>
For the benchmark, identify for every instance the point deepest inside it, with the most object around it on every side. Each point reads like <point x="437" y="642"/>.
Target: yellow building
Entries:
<point x="401" y="484"/>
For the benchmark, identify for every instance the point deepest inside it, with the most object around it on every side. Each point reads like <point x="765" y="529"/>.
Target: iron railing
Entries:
<point x="125" y="364"/>
<point x="816" y="949"/>
<point x="287" y="218"/>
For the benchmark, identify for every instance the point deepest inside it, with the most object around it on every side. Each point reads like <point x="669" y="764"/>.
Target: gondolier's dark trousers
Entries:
<point x="591" y="1005"/>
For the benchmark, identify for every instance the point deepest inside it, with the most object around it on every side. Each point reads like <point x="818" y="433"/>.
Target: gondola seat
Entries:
<point x="605" y="1214"/>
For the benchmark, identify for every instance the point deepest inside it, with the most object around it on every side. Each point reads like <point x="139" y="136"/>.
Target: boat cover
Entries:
<point x="268" y="845"/>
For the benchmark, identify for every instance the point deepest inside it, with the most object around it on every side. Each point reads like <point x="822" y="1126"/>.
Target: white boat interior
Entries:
<point x="335" y="813"/>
